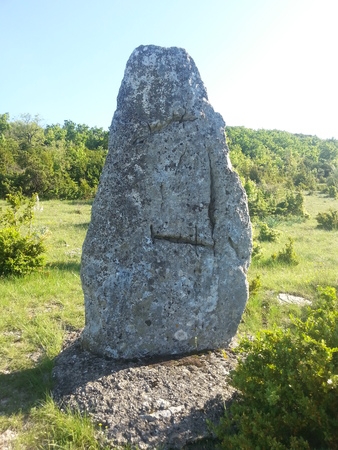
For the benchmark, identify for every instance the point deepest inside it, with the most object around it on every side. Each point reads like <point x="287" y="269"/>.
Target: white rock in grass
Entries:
<point x="293" y="299"/>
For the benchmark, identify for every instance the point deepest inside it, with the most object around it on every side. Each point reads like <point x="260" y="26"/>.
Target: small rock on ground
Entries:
<point x="6" y="439"/>
<point x="293" y="299"/>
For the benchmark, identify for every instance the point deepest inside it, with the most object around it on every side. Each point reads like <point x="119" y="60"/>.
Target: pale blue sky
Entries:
<point x="265" y="63"/>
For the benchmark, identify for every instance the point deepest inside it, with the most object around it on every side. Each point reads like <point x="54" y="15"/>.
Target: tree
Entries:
<point x="28" y="131"/>
<point x="4" y="125"/>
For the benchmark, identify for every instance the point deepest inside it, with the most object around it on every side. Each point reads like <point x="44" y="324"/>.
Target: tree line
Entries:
<point x="65" y="162"/>
<point x="55" y="161"/>
<point x="276" y="166"/>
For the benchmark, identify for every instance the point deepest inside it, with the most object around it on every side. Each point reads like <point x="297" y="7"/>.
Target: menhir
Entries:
<point x="167" y="251"/>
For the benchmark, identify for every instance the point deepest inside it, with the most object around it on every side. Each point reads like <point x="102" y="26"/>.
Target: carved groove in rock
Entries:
<point x="179" y="239"/>
<point x="166" y="254"/>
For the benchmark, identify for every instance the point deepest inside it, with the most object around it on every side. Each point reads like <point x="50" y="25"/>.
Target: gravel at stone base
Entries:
<point x="150" y="403"/>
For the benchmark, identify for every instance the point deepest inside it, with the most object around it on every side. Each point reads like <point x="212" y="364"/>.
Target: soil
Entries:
<point x="154" y="403"/>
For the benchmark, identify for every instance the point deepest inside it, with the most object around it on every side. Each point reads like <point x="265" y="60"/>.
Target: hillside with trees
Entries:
<point x="275" y="166"/>
<point x="65" y="161"/>
<point x="55" y="161"/>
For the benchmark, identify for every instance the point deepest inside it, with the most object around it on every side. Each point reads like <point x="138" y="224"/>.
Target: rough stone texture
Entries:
<point x="165" y="258"/>
<point x="151" y="404"/>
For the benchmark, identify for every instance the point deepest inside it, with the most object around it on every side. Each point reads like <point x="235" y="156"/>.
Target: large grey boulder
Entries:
<point x="165" y="258"/>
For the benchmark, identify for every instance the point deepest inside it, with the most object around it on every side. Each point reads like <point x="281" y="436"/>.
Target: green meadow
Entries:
<point x="317" y="252"/>
<point x="37" y="311"/>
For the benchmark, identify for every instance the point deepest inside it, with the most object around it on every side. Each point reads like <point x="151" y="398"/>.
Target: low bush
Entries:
<point x="328" y="220"/>
<point x="287" y="382"/>
<point x="293" y="204"/>
<point x="21" y="250"/>
<point x="19" y="254"/>
<point x="257" y="251"/>
<point x="267" y="234"/>
<point x="287" y="255"/>
<point x="255" y="285"/>
<point x="333" y="192"/>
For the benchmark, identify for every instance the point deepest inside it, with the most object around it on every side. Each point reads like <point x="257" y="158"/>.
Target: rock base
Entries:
<point x="151" y="403"/>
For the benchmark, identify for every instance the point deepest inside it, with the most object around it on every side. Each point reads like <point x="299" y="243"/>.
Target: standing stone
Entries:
<point x="166" y="254"/>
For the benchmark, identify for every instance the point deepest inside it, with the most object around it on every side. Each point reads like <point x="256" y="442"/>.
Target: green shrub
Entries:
<point x="328" y="220"/>
<point x="259" y="202"/>
<point x="287" y="255"/>
<point x="19" y="254"/>
<point x="255" y="285"/>
<point x="85" y="191"/>
<point x="333" y="192"/>
<point x="21" y="251"/>
<point x="288" y="385"/>
<point x="293" y="205"/>
<point x="267" y="234"/>
<point x="257" y="251"/>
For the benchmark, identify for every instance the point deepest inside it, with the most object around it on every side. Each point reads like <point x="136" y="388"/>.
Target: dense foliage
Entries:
<point x="288" y="385"/>
<point x="21" y="247"/>
<point x="328" y="220"/>
<point x="55" y="161"/>
<point x="65" y="161"/>
<point x="275" y="166"/>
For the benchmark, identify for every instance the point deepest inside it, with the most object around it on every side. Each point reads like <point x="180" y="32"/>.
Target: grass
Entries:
<point x="317" y="252"/>
<point x="55" y="428"/>
<point x="37" y="310"/>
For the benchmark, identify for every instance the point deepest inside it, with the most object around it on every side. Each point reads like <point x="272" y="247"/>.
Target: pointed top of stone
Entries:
<point x="160" y="83"/>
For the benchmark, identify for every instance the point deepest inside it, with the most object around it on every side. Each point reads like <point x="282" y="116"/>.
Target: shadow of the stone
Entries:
<point x="197" y="425"/>
<point x="75" y="367"/>
<point x="84" y="225"/>
<point x="66" y="266"/>
<point x="87" y="367"/>
<point x="22" y="389"/>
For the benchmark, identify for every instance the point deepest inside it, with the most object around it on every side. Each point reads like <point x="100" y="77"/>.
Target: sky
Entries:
<point x="269" y="64"/>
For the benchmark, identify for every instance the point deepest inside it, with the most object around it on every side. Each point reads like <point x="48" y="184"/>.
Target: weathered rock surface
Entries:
<point x="165" y="258"/>
<point x="152" y="404"/>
